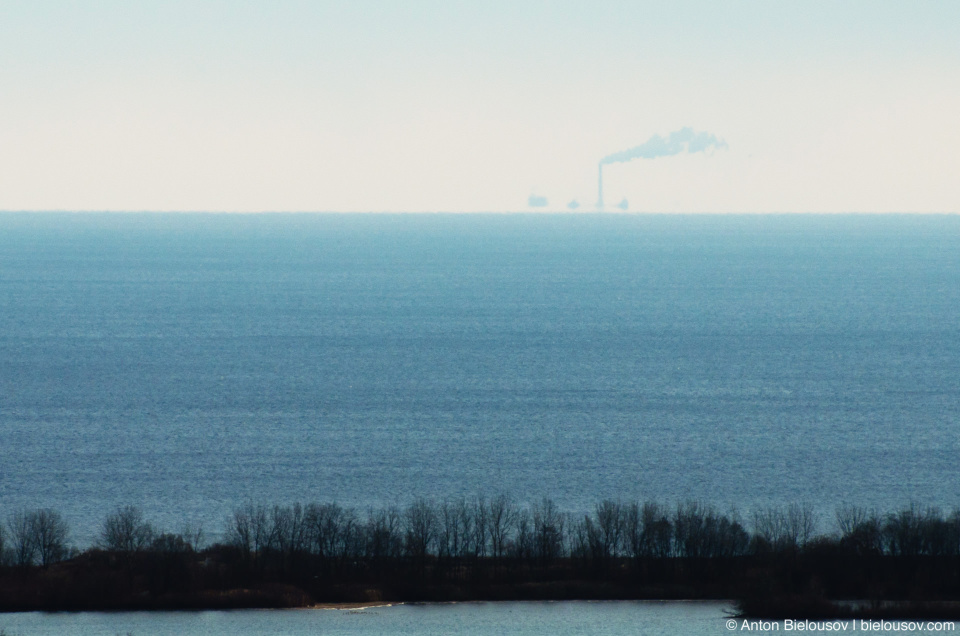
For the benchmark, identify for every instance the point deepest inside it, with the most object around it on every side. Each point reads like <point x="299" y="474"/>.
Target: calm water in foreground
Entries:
<point x="189" y="363"/>
<point x="465" y="619"/>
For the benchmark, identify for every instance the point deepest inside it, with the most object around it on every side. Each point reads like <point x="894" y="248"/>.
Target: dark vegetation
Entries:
<point x="777" y="565"/>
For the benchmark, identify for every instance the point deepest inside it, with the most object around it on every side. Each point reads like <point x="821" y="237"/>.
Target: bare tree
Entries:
<point x="908" y="532"/>
<point x="849" y="518"/>
<point x="280" y="535"/>
<point x="690" y="529"/>
<point x="657" y="531"/>
<point x="801" y="523"/>
<point x="769" y="527"/>
<point x="523" y="543"/>
<point x="605" y="529"/>
<point x="860" y="531"/>
<point x="421" y="533"/>
<point x="192" y="533"/>
<point x="734" y="539"/>
<point x="383" y="535"/>
<point x="633" y="530"/>
<point x="702" y="532"/>
<point x="785" y="529"/>
<point x="240" y="531"/>
<point x="21" y="536"/>
<point x="548" y="528"/>
<point x="50" y="533"/>
<point x="472" y="543"/>
<point x="299" y="531"/>
<point x="331" y="530"/>
<point x="501" y="514"/>
<point x="449" y="536"/>
<point x="260" y="527"/>
<point x="169" y="543"/>
<point x="479" y="513"/>
<point x="953" y="545"/>
<point x="939" y="533"/>
<point x="126" y="530"/>
<point x="579" y="539"/>
<point x="457" y="536"/>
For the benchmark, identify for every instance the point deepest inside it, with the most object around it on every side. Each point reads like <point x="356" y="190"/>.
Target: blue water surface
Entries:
<point x="188" y="363"/>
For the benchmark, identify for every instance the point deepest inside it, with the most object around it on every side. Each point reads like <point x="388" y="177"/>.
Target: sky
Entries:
<point x="446" y="105"/>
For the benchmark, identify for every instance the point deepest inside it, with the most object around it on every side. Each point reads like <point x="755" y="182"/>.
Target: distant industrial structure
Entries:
<point x="600" y="186"/>
<point x="685" y="140"/>
<point x="535" y="201"/>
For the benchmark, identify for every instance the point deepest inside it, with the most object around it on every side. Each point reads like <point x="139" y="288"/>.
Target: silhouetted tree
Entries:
<point x="915" y="531"/>
<point x="421" y="522"/>
<point x="849" y="518"/>
<point x="501" y="515"/>
<point x="126" y="530"/>
<point x="785" y="529"/>
<point x="604" y="531"/>
<point x="860" y="531"/>
<point x="941" y="535"/>
<point x="50" y="533"/>
<point x="477" y="526"/>
<point x="451" y="537"/>
<point x="802" y="523"/>
<point x="902" y="532"/>
<point x="690" y="529"/>
<point x="332" y="530"/>
<point x="632" y="530"/>
<point x="466" y="520"/>
<point x="383" y="534"/>
<point x="249" y="529"/>
<point x="169" y="543"/>
<point x="701" y="532"/>
<point x="657" y="540"/>
<point x="193" y="534"/>
<point x="522" y="546"/>
<point x="21" y="538"/>
<point x="548" y="529"/>
<point x="734" y="538"/>
<point x="288" y="534"/>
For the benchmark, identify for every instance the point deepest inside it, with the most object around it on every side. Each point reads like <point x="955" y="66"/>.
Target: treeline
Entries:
<point x="482" y="548"/>
<point x="494" y="528"/>
<point x="497" y="527"/>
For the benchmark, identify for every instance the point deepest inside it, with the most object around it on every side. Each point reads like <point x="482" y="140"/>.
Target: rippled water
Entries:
<point x="186" y="363"/>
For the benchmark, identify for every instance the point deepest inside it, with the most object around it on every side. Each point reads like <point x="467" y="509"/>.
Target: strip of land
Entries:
<point x="904" y="564"/>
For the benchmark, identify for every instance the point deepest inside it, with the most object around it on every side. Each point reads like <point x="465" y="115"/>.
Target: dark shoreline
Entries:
<point x="903" y="564"/>
<point x="219" y="579"/>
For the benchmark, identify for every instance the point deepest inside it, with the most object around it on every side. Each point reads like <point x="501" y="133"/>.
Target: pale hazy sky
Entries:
<point x="843" y="106"/>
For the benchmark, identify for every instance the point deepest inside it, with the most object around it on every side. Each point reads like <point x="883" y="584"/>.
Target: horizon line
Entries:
<point x="493" y="212"/>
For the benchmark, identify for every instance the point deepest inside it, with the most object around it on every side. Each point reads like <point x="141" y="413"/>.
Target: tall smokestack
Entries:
<point x="683" y="140"/>
<point x="600" y="186"/>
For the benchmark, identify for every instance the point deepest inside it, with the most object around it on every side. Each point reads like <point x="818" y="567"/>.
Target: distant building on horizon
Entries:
<point x="535" y="201"/>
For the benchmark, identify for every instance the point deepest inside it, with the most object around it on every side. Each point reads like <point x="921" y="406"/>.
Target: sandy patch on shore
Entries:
<point x="350" y="606"/>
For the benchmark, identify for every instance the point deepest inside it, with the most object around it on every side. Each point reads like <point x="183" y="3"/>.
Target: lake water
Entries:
<point x="607" y="618"/>
<point x="189" y="363"/>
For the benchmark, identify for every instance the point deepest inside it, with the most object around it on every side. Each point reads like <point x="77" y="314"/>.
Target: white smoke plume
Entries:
<point x="683" y="140"/>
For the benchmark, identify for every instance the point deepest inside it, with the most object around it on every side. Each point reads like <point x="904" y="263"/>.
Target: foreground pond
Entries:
<point x="562" y="618"/>
<point x="522" y="618"/>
